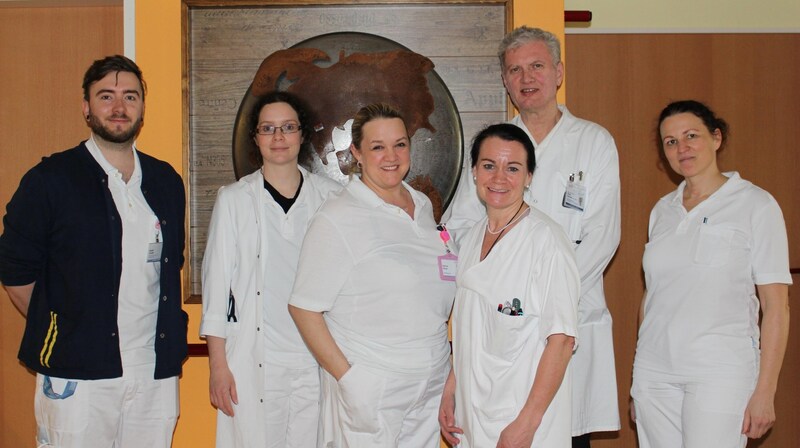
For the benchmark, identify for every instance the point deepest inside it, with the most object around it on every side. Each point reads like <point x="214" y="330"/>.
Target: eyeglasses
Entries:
<point x="268" y="129"/>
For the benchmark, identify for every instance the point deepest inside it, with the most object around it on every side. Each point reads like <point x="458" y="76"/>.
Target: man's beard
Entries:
<point x="111" y="135"/>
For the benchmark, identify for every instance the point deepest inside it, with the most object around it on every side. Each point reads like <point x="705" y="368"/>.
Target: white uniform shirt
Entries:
<point x="374" y="272"/>
<point x="701" y="268"/>
<point x="139" y="281"/>
<point x="284" y="233"/>
<point x="495" y="356"/>
<point x="574" y="146"/>
<point x="240" y="235"/>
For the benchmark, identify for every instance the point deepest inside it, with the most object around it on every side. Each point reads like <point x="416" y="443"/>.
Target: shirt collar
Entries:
<point x="364" y="194"/>
<point x="565" y="117"/>
<point x="733" y="180"/>
<point x="107" y="167"/>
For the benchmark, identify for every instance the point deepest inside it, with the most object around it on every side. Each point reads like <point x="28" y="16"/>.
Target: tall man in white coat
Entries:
<point x="577" y="184"/>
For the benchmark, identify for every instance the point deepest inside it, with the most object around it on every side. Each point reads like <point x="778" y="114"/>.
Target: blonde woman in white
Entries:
<point x="372" y="298"/>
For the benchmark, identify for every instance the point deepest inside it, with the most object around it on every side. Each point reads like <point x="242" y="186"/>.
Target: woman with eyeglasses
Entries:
<point x="263" y="380"/>
<point x="373" y="295"/>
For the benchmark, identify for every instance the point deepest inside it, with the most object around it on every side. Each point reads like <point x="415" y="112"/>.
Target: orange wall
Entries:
<point x="158" y="53"/>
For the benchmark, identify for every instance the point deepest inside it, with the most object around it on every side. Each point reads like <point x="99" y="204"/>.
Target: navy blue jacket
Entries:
<point x="62" y="231"/>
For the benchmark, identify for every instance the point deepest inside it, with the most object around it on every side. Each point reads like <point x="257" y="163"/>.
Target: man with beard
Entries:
<point x="91" y="254"/>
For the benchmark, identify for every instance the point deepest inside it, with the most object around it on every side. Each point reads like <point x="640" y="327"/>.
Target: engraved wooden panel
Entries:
<point x="623" y="82"/>
<point x="227" y="44"/>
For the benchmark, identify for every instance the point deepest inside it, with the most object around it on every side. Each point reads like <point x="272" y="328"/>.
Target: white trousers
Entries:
<point x="690" y="415"/>
<point x="368" y="410"/>
<point x="292" y="407"/>
<point x="128" y="412"/>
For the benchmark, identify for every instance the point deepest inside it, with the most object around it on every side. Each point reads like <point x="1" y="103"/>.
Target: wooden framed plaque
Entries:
<point x="226" y="42"/>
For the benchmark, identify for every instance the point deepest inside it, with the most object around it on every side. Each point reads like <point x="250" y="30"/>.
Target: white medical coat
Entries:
<point x="234" y="262"/>
<point x="495" y="356"/>
<point x="573" y="146"/>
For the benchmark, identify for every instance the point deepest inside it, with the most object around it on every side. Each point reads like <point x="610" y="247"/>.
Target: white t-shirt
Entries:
<point x="139" y="281"/>
<point x="495" y="356"/>
<point x="374" y="272"/>
<point x="701" y="268"/>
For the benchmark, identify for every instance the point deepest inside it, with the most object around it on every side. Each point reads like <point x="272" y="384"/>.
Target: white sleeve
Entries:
<point x="218" y="267"/>
<point x="561" y="282"/>
<point x="770" y="250"/>
<point x="466" y="208"/>
<point x="600" y="226"/>
<point x="326" y="262"/>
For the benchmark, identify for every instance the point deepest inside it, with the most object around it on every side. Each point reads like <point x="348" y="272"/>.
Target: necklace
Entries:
<point x="514" y="219"/>
<point x="499" y="233"/>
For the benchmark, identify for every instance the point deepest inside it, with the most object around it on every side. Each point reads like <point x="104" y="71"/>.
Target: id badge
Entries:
<point x="575" y="195"/>
<point x="448" y="263"/>
<point x="154" y="252"/>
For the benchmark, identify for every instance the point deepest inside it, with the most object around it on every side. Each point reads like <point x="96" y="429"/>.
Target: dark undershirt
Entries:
<point x="284" y="202"/>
